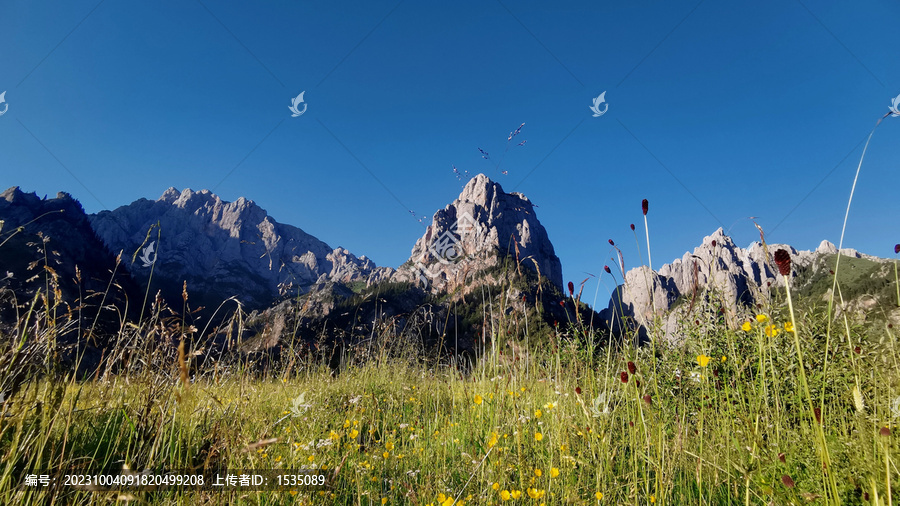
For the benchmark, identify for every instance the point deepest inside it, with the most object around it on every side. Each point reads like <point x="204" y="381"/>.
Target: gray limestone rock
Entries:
<point x="224" y="249"/>
<point x="474" y="232"/>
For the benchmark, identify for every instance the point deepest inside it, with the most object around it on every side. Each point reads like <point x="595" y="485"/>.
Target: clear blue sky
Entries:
<point x="717" y="111"/>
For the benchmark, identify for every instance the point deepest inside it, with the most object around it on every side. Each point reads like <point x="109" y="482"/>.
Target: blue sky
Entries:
<point x="717" y="112"/>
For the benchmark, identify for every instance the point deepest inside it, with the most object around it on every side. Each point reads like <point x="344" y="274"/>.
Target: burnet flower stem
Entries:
<point x="817" y="423"/>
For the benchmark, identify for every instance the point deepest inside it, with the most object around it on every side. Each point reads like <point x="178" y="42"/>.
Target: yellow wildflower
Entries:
<point x="505" y="495"/>
<point x="772" y="330"/>
<point x="599" y="496"/>
<point x="537" y="413"/>
<point x="761" y="318"/>
<point x="478" y="399"/>
<point x="538" y="473"/>
<point x="538" y="436"/>
<point x="788" y="326"/>
<point x="354" y="433"/>
<point x="516" y="494"/>
<point x="535" y="493"/>
<point x="703" y="360"/>
<point x="746" y="327"/>
<point x="554" y="472"/>
<point x="495" y="486"/>
<point x="389" y="445"/>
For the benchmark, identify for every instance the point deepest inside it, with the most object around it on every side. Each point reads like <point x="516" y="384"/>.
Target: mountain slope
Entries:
<point x="224" y="249"/>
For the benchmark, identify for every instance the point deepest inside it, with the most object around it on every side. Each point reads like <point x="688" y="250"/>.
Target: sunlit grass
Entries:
<point x="718" y="420"/>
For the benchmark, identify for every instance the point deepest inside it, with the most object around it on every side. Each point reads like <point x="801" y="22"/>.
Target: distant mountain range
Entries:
<point x="235" y="249"/>
<point x="224" y="249"/>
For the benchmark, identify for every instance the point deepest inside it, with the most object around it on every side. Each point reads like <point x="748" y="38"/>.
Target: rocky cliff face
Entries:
<point x="49" y="255"/>
<point x="474" y="232"/>
<point x="224" y="249"/>
<point x="738" y="278"/>
<point x="52" y="237"/>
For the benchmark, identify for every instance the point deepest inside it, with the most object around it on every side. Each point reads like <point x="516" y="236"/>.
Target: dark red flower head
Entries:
<point x="645" y="205"/>
<point x="632" y="227"/>
<point x="611" y="243"/>
<point x="624" y="377"/>
<point x="896" y="248"/>
<point x="648" y="400"/>
<point x="631" y="367"/>
<point x="571" y="288"/>
<point x="783" y="261"/>
<point x="885" y="432"/>
<point x="606" y="268"/>
<point x="714" y="243"/>
<point x="788" y="481"/>
<point x="578" y="390"/>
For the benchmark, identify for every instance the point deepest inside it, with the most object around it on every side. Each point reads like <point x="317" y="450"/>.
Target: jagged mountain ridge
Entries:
<point x="741" y="277"/>
<point x="226" y="249"/>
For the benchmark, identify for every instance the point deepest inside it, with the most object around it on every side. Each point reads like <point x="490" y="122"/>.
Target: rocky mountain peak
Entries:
<point x="474" y="232"/>
<point x="56" y="233"/>
<point x="225" y="249"/>
<point x="739" y="277"/>
<point x="826" y="247"/>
